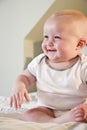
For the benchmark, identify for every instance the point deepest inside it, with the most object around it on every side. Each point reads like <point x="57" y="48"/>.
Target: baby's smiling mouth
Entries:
<point x="51" y="50"/>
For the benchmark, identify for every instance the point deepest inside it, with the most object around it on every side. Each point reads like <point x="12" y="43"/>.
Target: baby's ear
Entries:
<point x="81" y="43"/>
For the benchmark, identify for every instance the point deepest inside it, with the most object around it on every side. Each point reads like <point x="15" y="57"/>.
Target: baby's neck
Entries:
<point x="62" y="65"/>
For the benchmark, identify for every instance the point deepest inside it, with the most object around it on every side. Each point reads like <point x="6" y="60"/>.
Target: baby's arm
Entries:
<point x="19" y="92"/>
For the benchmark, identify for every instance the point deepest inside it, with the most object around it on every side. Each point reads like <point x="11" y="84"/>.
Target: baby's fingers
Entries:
<point x="16" y="101"/>
<point x="26" y="96"/>
<point x="20" y="98"/>
<point x="11" y="101"/>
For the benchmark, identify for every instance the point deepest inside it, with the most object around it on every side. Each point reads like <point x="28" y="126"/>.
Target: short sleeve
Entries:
<point x="34" y="64"/>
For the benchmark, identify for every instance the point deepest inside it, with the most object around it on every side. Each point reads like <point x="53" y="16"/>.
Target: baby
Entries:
<point x="60" y="73"/>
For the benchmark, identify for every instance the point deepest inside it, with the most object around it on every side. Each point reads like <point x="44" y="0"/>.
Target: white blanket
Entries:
<point x="14" y="124"/>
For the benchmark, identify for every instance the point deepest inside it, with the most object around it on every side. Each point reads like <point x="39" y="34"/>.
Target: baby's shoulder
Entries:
<point x="39" y="58"/>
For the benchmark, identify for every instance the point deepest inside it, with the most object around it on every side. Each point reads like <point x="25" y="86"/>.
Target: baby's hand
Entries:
<point x="18" y="96"/>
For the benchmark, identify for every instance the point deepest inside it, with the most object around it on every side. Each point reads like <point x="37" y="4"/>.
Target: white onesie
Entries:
<point x="60" y="89"/>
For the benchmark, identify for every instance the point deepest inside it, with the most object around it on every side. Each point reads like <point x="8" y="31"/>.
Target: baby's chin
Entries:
<point x="54" y="59"/>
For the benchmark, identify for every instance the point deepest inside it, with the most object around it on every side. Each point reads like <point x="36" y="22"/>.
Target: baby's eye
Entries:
<point x="45" y="36"/>
<point x="57" y="37"/>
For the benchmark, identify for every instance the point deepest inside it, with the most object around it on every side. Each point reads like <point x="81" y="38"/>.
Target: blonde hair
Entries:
<point x="74" y="13"/>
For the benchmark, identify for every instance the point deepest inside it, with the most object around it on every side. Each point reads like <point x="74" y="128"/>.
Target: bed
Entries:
<point x="9" y="118"/>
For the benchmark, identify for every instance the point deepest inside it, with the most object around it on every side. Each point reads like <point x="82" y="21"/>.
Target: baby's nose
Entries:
<point x="50" y="42"/>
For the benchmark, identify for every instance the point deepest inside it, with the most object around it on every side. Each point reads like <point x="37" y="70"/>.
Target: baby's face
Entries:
<point x="60" y="40"/>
